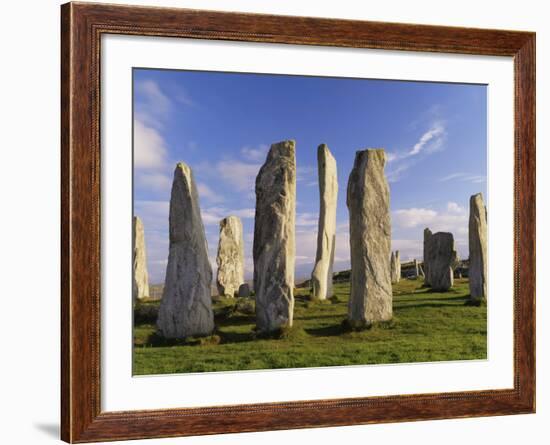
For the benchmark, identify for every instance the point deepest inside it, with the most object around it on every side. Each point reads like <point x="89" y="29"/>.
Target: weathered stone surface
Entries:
<point x="368" y="201"/>
<point x="230" y="258"/>
<point x="244" y="290"/>
<point x="274" y="238"/>
<point x="140" y="289"/>
<point x="186" y="306"/>
<point x="477" y="237"/>
<point x="395" y="267"/>
<point x="443" y="260"/>
<point x="321" y="277"/>
<point x="427" y="255"/>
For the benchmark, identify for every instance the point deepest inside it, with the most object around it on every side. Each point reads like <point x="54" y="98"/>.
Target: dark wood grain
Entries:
<point x="82" y="27"/>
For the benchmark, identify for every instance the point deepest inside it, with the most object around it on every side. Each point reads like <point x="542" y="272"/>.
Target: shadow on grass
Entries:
<point x="236" y="337"/>
<point x="415" y="300"/>
<point x="235" y="320"/>
<point x="434" y="305"/>
<point x="327" y="331"/>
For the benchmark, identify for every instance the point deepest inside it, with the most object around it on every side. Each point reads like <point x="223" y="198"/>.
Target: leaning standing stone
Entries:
<point x="368" y="201"/>
<point x="321" y="277"/>
<point x="444" y="259"/>
<point x="230" y="259"/>
<point x="274" y="238"/>
<point x="186" y="306"/>
<point x="395" y="266"/>
<point x="477" y="237"/>
<point x="141" y="278"/>
<point x="416" y="270"/>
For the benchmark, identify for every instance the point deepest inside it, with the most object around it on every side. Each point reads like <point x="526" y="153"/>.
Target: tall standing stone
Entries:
<point x="186" y="306"/>
<point x="274" y="238"/>
<point x="395" y="267"/>
<point x="140" y="288"/>
<point x="443" y="260"/>
<point x="230" y="258"/>
<point x="427" y="255"/>
<point x="321" y="277"/>
<point x="477" y="237"/>
<point x="368" y="201"/>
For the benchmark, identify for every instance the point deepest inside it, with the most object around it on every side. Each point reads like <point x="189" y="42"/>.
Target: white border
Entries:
<point x="121" y="391"/>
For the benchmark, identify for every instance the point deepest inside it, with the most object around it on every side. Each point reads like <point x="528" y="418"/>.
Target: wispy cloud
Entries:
<point x="151" y="99"/>
<point x="431" y="141"/>
<point x="464" y="177"/>
<point x="255" y="154"/>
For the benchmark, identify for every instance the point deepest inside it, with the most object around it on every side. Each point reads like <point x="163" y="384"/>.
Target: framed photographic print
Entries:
<point x="274" y="222"/>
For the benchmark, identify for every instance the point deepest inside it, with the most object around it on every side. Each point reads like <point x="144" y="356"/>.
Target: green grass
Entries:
<point x="427" y="326"/>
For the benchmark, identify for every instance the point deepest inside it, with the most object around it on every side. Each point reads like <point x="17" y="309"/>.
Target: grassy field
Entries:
<point x="427" y="326"/>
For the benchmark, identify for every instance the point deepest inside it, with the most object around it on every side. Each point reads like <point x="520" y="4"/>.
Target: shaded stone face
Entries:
<point x="321" y="277"/>
<point x="274" y="238"/>
<point x="443" y="260"/>
<point x="244" y="290"/>
<point x="230" y="258"/>
<point x="427" y="255"/>
<point x="395" y="267"/>
<point x="186" y="306"/>
<point x="368" y="201"/>
<point x="140" y="288"/>
<point x="477" y="241"/>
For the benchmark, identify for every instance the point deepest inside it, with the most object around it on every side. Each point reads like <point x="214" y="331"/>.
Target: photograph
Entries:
<point x="290" y="221"/>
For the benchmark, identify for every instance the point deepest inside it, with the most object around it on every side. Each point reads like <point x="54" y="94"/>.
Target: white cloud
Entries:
<point x="213" y="215"/>
<point x="153" y="180"/>
<point x="409" y="249"/>
<point x="307" y="219"/>
<point x="241" y="175"/>
<point x="453" y="219"/>
<point x="152" y="106"/>
<point x="414" y="217"/>
<point x="149" y="147"/>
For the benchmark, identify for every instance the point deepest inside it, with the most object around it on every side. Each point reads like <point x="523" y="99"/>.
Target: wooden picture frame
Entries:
<point x="82" y="25"/>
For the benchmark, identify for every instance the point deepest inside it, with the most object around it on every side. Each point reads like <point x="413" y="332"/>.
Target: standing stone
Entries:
<point x="477" y="238"/>
<point x="416" y="270"/>
<point x="244" y="290"/>
<point x="395" y="267"/>
<point x="421" y="271"/>
<point x="443" y="260"/>
<point x="274" y="238"/>
<point x="140" y="289"/>
<point x="321" y="277"/>
<point x="186" y="305"/>
<point x="427" y="255"/>
<point x="230" y="259"/>
<point x="368" y="201"/>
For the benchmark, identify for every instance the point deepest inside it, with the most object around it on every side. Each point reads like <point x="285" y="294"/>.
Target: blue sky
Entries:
<point x="222" y="124"/>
